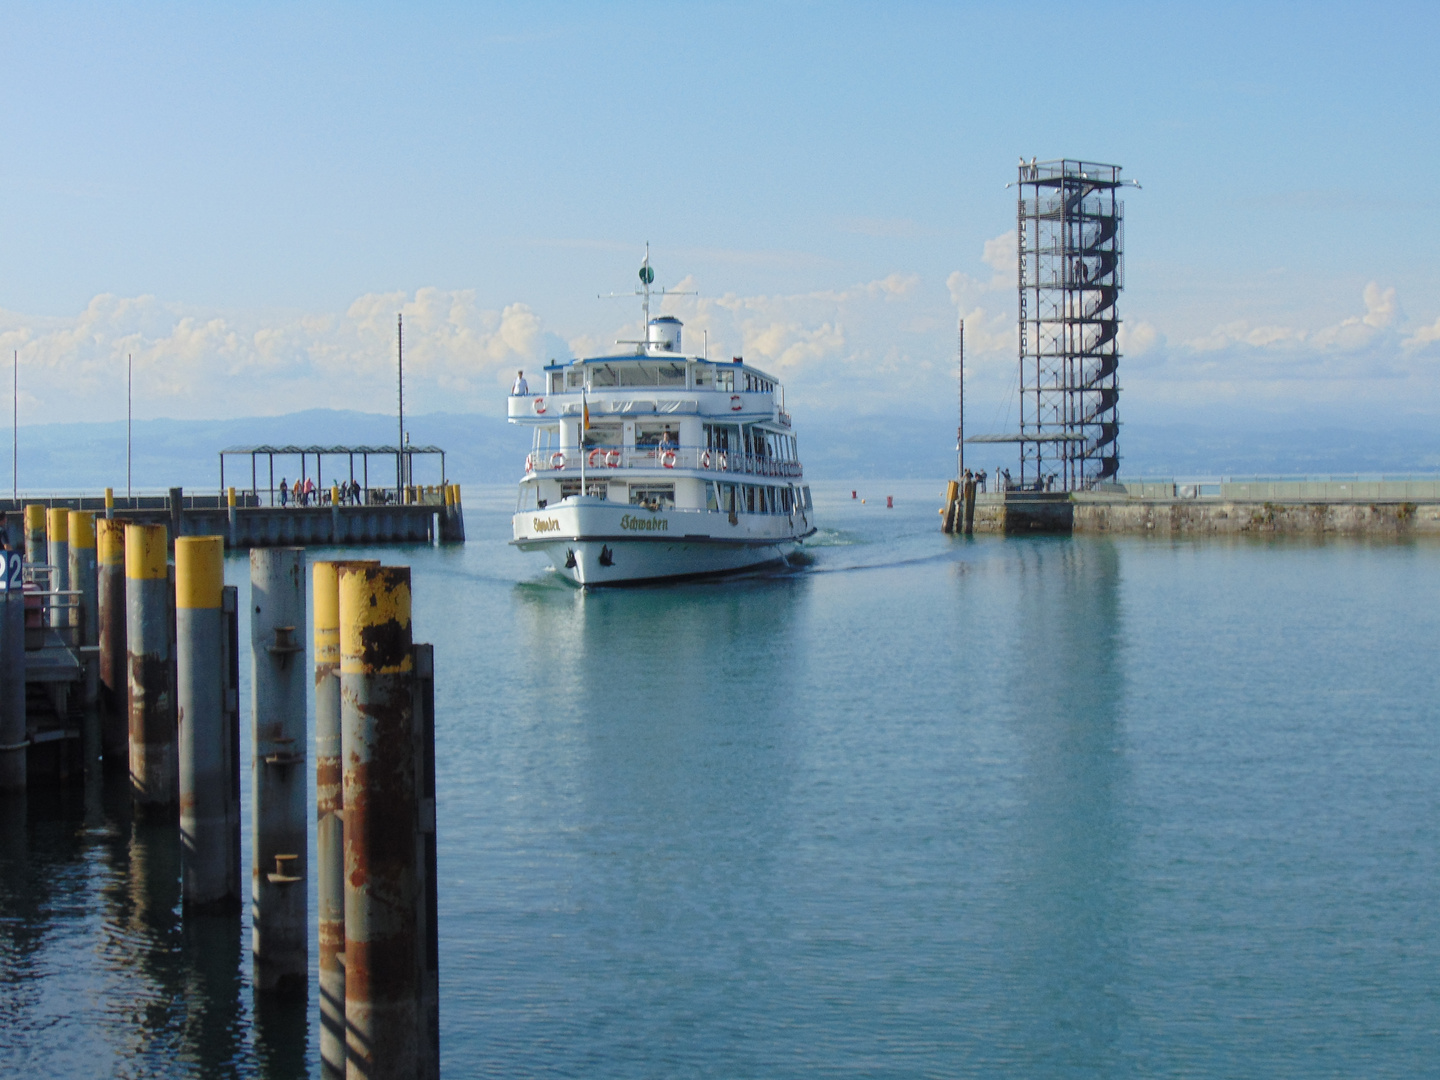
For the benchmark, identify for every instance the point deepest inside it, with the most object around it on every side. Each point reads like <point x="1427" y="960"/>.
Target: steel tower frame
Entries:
<point x="1071" y="269"/>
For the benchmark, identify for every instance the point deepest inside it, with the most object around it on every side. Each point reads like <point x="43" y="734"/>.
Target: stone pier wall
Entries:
<point x="1214" y="517"/>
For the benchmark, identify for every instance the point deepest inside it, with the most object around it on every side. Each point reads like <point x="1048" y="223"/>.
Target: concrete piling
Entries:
<point x="278" y="867"/>
<point x="971" y="484"/>
<point x="154" y="776"/>
<point x="110" y="627"/>
<point x="209" y="803"/>
<point x="382" y="894"/>
<point x="329" y="805"/>
<point x="35" y="534"/>
<point x="14" y="743"/>
<point x="85" y="616"/>
<point x="109" y="504"/>
<point x="57" y="554"/>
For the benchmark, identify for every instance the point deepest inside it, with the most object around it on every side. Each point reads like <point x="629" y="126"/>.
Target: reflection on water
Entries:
<point x="1068" y="932"/>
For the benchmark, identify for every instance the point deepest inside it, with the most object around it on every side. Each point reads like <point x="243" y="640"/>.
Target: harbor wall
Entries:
<point x="1169" y="515"/>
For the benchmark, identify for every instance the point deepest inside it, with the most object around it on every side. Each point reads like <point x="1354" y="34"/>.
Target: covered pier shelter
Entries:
<point x="401" y="458"/>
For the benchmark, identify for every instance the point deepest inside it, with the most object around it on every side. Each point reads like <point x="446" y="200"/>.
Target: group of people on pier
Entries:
<point x="305" y="493"/>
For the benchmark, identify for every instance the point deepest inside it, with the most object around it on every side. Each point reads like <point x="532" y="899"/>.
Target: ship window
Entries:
<point x="809" y="505"/>
<point x="655" y="496"/>
<point x="749" y="499"/>
<point x="557" y="382"/>
<point x="592" y="487"/>
<point x="604" y="375"/>
<point x="704" y="376"/>
<point x="574" y="378"/>
<point x="650" y="435"/>
<point x="603" y="435"/>
<point x="725" y="380"/>
<point x="712" y="498"/>
<point x="670" y="375"/>
<point x="527" y="497"/>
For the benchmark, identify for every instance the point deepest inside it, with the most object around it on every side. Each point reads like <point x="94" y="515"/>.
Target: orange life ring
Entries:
<point x="529" y="464"/>
<point x="596" y="453"/>
<point x="557" y="460"/>
<point x="539" y="406"/>
<point x="736" y="403"/>
<point x="705" y="459"/>
<point x="720" y="461"/>
<point x="667" y="459"/>
<point x="612" y="459"/>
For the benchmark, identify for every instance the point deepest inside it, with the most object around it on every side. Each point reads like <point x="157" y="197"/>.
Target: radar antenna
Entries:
<point x="646" y="290"/>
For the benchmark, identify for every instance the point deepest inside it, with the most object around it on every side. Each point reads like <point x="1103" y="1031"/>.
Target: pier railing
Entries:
<point x="601" y="459"/>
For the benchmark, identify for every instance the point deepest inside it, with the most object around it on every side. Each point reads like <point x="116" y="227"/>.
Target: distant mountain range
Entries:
<point x="485" y="449"/>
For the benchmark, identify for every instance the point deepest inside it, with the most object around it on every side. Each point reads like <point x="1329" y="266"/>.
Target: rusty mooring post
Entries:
<point x="154" y="777"/>
<point x="110" y="593"/>
<point x="85" y="616"/>
<point x="427" y="940"/>
<point x="384" y="928"/>
<point x="209" y="807"/>
<point x="329" y="802"/>
<point x="278" y="866"/>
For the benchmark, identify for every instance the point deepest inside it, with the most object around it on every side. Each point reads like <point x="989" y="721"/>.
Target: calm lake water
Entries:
<point x="926" y="807"/>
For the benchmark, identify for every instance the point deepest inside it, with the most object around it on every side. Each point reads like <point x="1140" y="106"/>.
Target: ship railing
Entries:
<point x="601" y="459"/>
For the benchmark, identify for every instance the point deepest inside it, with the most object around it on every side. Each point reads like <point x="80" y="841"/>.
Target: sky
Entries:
<point x="244" y="197"/>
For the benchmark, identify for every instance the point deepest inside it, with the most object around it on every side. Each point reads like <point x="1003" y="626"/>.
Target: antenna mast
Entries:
<point x="400" y="439"/>
<point x="960" y="434"/>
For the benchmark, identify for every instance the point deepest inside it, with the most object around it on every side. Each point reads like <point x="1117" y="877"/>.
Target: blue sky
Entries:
<point x="244" y="196"/>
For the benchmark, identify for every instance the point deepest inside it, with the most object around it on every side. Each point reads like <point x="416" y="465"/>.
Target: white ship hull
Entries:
<point x="590" y="541"/>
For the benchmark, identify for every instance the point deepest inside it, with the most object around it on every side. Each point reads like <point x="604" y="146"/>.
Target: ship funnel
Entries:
<point x="663" y="335"/>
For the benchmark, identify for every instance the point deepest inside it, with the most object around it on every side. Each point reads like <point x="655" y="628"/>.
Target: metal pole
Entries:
<point x="209" y="811"/>
<point x="400" y="438"/>
<point x="329" y="802"/>
<point x="382" y="889"/>
<point x="153" y="775"/>
<point x="15" y="430"/>
<point x="58" y="556"/>
<point x="277" y="874"/>
<point x="129" y="418"/>
<point x="13" y="741"/>
<point x="110" y="601"/>
<point x="960" y="442"/>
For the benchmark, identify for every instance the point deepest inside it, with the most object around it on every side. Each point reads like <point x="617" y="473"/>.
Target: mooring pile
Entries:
<point x="162" y="640"/>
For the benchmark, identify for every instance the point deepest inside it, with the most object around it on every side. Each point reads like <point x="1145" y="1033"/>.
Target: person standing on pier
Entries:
<point x="284" y="493"/>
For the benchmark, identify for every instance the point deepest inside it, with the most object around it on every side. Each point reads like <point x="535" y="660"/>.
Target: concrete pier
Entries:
<point x="329" y="805"/>
<point x="278" y="868"/>
<point x="154" y="776"/>
<point x="209" y="790"/>
<point x="382" y="894"/>
<point x="57" y="554"/>
<point x="110" y="626"/>
<point x="1245" y="507"/>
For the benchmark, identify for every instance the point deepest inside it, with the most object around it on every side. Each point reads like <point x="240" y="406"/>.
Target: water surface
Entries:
<point x="923" y="807"/>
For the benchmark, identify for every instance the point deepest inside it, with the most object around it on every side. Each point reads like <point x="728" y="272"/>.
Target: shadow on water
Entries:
<point x="1071" y="952"/>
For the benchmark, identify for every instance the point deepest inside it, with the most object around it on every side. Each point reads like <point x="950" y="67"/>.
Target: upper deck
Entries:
<point x="652" y="382"/>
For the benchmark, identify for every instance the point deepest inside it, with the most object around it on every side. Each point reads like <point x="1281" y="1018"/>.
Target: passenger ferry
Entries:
<point x="655" y="464"/>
